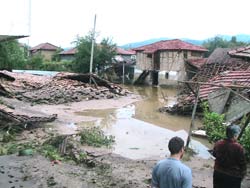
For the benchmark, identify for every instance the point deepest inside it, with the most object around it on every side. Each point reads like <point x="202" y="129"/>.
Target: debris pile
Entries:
<point x="9" y="118"/>
<point x="221" y="70"/>
<point x="62" y="88"/>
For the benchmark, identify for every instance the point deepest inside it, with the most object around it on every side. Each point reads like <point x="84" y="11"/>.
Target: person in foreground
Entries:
<point x="230" y="163"/>
<point x="171" y="172"/>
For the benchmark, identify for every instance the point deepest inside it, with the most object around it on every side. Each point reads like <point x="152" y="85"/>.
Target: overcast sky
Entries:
<point x="125" y="21"/>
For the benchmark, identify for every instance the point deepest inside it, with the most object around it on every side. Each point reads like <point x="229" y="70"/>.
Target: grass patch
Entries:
<point x="59" y="148"/>
<point x="96" y="137"/>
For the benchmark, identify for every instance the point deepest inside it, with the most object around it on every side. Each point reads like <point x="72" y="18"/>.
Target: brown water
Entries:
<point x="140" y="130"/>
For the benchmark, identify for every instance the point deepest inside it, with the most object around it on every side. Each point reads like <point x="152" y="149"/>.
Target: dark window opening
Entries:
<point x="185" y="54"/>
<point x="166" y="75"/>
<point x="149" y="55"/>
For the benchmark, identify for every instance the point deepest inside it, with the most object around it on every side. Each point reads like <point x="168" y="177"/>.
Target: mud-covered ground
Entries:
<point x="108" y="169"/>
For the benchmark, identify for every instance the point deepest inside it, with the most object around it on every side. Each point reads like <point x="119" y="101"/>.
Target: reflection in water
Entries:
<point x="141" y="131"/>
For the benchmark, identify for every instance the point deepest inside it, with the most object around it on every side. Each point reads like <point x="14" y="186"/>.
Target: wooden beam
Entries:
<point x="220" y="85"/>
<point x="193" y="116"/>
<point x="195" y="94"/>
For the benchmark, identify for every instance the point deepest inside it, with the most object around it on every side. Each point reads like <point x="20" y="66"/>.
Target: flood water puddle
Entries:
<point x="140" y="130"/>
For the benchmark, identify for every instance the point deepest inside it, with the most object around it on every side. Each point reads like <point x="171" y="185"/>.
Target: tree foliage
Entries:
<point x="103" y="54"/>
<point x="215" y="127"/>
<point x="12" y="56"/>
<point x="35" y="62"/>
<point x="219" y="42"/>
<point x="245" y="141"/>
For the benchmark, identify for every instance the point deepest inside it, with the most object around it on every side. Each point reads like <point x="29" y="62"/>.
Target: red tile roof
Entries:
<point x="121" y="51"/>
<point x="45" y="46"/>
<point x="220" y="61"/>
<point x="240" y="52"/>
<point x="174" y="44"/>
<point x="71" y="51"/>
<point x="240" y="78"/>
<point x="197" y="62"/>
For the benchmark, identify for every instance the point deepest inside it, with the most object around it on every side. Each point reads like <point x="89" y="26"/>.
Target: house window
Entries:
<point x="185" y="54"/>
<point x="166" y="75"/>
<point x="195" y="54"/>
<point x="149" y="55"/>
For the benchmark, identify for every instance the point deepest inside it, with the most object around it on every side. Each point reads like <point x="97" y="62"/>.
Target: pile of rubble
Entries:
<point x="62" y="88"/>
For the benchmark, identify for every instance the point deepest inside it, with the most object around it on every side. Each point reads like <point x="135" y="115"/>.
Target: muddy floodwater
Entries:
<point x="140" y="130"/>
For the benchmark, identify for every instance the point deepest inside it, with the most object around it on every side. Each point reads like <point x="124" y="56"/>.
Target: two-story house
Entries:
<point x="46" y="50"/>
<point x="165" y="60"/>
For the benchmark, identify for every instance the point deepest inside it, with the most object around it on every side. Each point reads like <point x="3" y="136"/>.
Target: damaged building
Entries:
<point x="223" y="81"/>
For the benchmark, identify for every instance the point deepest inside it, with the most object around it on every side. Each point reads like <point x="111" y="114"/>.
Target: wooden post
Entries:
<point x="189" y="87"/>
<point x="123" y="72"/>
<point x="193" y="116"/>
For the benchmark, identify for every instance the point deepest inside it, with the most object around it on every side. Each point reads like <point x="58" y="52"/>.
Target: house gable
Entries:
<point x="46" y="50"/>
<point x="168" y="55"/>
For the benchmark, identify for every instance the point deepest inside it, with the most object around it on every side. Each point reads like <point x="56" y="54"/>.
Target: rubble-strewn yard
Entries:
<point x="57" y="99"/>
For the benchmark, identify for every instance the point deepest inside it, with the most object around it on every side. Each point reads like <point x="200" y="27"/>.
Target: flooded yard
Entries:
<point x="140" y="130"/>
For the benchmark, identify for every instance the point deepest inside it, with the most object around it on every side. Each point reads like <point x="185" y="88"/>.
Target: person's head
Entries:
<point x="176" y="145"/>
<point x="232" y="131"/>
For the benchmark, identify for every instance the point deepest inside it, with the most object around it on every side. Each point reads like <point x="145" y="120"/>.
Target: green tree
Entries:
<point x="212" y="44"/>
<point x="106" y="51"/>
<point x="56" y="56"/>
<point x="35" y="62"/>
<point x="219" y="42"/>
<point x="12" y="56"/>
<point x="103" y="54"/>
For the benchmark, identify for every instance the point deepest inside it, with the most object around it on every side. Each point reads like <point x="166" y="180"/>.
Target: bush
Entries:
<point x="213" y="124"/>
<point x="95" y="137"/>
<point x="216" y="129"/>
<point x="35" y="62"/>
<point x="245" y="141"/>
<point x="11" y="55"/>
<point x="57" y="66"/>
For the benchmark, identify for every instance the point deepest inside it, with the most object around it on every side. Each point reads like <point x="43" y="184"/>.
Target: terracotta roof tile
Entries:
<point x="125" y="52"/>
<point x="45" y="46"/>
<point x="241" y="78"/>
<point x="240" y="52"/>
<point x="174" y="44"/>
<point x="71" y="51"/>
<point x="197" y="62"/>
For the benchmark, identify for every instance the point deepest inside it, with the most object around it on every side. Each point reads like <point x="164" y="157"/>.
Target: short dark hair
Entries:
<point x="175" y="145"/>
<point x="232" y="130"/>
